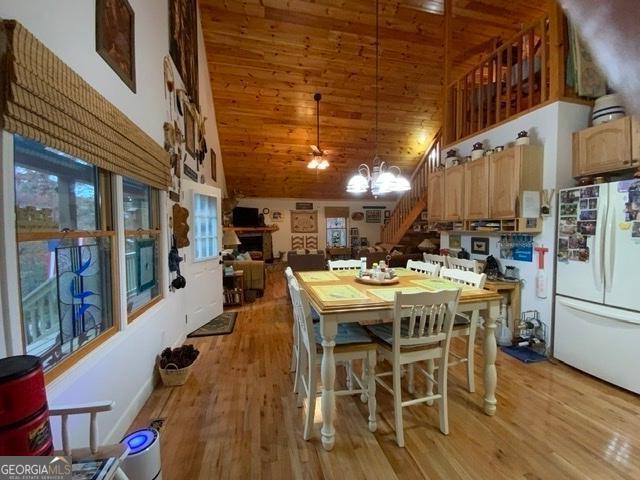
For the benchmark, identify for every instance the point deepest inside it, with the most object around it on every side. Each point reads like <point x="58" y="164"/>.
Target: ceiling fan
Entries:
<point x="317" y="162"/>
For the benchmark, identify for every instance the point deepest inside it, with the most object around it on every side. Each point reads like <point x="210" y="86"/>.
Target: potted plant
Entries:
<point x="175" y="364"/>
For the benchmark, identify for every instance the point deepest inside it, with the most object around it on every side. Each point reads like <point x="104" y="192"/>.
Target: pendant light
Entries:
<point x="379" y="179"/>
<point x="317" y="162"/>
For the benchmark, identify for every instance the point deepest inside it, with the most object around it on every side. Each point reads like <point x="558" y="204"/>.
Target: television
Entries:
<point x="246" y="217"/>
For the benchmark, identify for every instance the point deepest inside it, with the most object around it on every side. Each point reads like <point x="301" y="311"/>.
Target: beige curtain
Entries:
<point x="43" y="99"/>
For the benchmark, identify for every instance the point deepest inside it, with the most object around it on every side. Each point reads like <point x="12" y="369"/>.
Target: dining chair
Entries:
<point x="431" y="269"/>
<point x="288" y="273"/>
<point x="437" y="259"/>
<point x="344" y="264"/>
<point x="466" y="325"/>
<point x="351" y="343"/>
<point x="420" y="331"/>
<point x="463" y="264"/>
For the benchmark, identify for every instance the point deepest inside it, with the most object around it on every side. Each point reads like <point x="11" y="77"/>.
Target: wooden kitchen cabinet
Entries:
<point x="454" y="193"/>
<point x="606" y="148"/>
<point x="476" y="196"/>
<point x="435" y="196"/>
<point x="511" y="172"/>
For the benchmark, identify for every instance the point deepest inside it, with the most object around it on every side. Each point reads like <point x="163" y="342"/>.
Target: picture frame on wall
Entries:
<point x="373" y="216"/>
<point x="277" y="216"/>
<point x="115" y="38"/>
<point x="183" y="43"/>
<point x="304" y="205"/>
<point x="424" y="216"/>
<point x="190" y="132"/>
<point x="214" y="165"/>
<point x="146" y="251"/>
<point x="387" y="214"/>
<point x="480" y="245"/>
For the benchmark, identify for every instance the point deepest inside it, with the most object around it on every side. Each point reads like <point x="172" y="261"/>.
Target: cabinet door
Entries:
<point x="476" y="190"/>
<point x="635" y="142"/>
<point x="454" y="193"/>
<point x="603" y="148"/>
<point x="504" y="183"/>
<point x="435" y="196"/>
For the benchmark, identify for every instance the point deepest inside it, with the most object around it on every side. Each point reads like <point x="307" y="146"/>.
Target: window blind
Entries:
<point x="45" y="100"/>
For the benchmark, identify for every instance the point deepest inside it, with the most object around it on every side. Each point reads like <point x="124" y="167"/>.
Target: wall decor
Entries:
<point x="354" y="231"/>
<point x="304" y="205"/>
<point x="297" y="242"/>
<point x="115" y="38"/>
<point x="276" y="216"/>
<point x="424" y="216"/>
<point x="190" y="132"/>
<point x="190" y="172"/>
<point x="387" y="214"/>
<point x="357" y="216"/>
<point x="479" y="245"/>
<point x="183" y="43"/>
<point x="304" y="221"/>
<point x="146" y="252"/>
<point x="455" y="241"/>
<point x="180" y="225"/>
<point x="214" y="165"/>
<point x="364" y="242"/>
<point x="311" y="242"/>
<point x="373" y="216"/>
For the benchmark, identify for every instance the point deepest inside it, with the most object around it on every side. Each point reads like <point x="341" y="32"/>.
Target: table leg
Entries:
<point x="490" y="374"/>
<point x="328" y="330"/>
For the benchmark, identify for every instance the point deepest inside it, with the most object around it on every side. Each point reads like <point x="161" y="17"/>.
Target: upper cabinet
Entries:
<point x="454" y="193"/>
<point x="606" y="148"/>
<point x="435" y="196"/>
<point x="511" y="172"/>
<point x="476" y="180"/>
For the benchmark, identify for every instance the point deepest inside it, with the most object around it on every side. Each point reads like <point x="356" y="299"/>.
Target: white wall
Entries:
<point x="282" y="238"/>
<point x="550" y="126"/>
<point x="122" y="368"/>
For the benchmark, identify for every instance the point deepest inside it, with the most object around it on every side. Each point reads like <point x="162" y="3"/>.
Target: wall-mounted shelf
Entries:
<point x="271" y="228"/>
<point x="495" y="227"/>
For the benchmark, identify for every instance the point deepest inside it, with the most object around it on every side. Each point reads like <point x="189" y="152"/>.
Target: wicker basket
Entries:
<point x="172" y="376"/>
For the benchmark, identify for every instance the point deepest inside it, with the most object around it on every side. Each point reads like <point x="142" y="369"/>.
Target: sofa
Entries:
<point x="254" y="273"/>
<point x="305" y="260"/>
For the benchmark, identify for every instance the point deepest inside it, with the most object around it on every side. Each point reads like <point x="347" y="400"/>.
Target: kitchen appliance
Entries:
<point x="597" y="305"/>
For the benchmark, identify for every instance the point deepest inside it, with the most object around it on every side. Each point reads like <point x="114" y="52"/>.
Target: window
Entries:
<point x="65" y="242"/>
<point x="142" y="235"/>
<point x="337" y="232"/>
<point x="206" y="226"/>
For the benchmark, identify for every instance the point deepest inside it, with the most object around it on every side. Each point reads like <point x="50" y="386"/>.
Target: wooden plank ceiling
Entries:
<point x="268" y="57"/>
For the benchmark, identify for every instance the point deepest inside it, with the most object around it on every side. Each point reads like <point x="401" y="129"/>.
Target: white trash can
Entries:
<point x="143" y="461"/>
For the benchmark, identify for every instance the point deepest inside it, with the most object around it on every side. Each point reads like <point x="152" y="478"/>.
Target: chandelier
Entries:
<point x="380" y="178"/>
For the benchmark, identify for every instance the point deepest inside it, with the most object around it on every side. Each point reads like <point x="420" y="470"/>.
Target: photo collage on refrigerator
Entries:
<point x="632" y="207"/>
<point x="578" y="220"/>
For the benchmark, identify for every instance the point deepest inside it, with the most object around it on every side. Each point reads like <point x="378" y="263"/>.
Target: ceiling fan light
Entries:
<point x="323" y="165"/>
<point x="313" y="163"/>
<point x="384" y="182"/>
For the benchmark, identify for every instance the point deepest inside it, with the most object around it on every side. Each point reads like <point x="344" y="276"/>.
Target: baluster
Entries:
<point x="543" y="60"/>
<point x="531" y="66"/>
<point x="519" y="78"/>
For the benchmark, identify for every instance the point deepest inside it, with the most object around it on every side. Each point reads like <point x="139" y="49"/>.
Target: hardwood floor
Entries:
<point x="237" y="418"/>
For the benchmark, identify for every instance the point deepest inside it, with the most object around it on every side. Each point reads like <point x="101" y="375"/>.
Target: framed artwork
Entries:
<point x="387" y="213"/>
<point x="214" y="164"/>
<point x="304" y="221"/>
<point x="276" y="216"/>
<point x="190" y="132"/>
<point x="373" y="216"/>
<point x="115" y="38"/>
<point x="311" y="242"/>
<point x="455" y="241"/>
<point x="480" y="245"/>
<point x="424" y="216"/>
<point x="354" y="231"/>
<point x="304" y="206"/>
<point x="145" y="251"/>
<point x="364" y="242"/>
<point x="183" y="43"/>
<point x="297" y="242"/>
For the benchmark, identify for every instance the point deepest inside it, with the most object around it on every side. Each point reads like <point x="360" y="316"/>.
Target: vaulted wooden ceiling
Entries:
<point x="268" y="57"/>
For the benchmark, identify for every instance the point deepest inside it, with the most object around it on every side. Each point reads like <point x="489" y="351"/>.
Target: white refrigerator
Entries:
<point x="597" y="301"/>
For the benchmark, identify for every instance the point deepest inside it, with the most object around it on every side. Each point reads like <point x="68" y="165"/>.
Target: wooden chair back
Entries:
<point x="440" y="260"/>
<point x="431" y="269"/>
<point x="302" y="316"/>
<point x="344" y="264"/>
<point x="464" y="277"/>
<point x="463" y="264"/>
<point x="424" y="318"/>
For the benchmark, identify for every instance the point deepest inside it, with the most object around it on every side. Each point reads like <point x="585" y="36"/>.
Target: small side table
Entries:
<point x="510" y="290"/>
<point x="234" y="289"/>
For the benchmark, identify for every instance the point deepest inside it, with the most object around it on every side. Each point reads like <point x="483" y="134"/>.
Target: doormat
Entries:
<point x="221" y="325"/>
<point x="524" y="354"/>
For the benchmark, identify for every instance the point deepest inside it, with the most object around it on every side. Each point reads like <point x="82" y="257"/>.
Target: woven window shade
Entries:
<point x="43" y="99"/>
<point x="336" y="212"/>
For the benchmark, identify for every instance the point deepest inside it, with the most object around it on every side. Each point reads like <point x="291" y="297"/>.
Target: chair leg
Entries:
<point x="471" y="343"/>
<point x="294" y="347"/>
<point x="430" y="370"/>
<point x="371" y="380"/>
<point x="410" y="378"/>
<point x="303" y="366"/>
<point x="297" y="369"/>
<point x="397" y="405"/>
<point x="311" y="403"/>
<point x="443" y="408"/>
<point x="365" y="379"/>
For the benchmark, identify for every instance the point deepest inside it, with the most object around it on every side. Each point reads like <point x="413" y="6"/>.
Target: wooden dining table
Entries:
<point x="339" y="297"/>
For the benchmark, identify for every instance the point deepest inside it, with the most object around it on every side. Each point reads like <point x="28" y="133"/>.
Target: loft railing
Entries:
<point x="524" y="72"/>
<point x="414" y="200"/>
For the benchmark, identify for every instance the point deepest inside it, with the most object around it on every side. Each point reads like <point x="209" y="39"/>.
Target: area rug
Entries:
<point x="221" y="325"/>
<point x="524" y="354"/>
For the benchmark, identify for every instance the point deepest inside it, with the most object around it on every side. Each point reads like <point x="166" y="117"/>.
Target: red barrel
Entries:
<point x="24" y="413"/>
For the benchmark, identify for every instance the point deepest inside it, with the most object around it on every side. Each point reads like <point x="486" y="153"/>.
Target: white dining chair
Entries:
<point x="463" y="264"/>
<point x="466" y="325"/>
<point x="352" y="343"/>
<point x="426" y="268"/>
<point x="288" y="273"/>
<point x="420" y="331"/>
<point x="437" y="259"/>
<point x="344" y="264"/>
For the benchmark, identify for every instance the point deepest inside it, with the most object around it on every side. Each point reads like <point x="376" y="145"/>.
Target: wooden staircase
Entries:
<point x="413" y="202"/>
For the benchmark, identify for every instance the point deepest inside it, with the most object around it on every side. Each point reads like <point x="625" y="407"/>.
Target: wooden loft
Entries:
<point x="522" y="73"/>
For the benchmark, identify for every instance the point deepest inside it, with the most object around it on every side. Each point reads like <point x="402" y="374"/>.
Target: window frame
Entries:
<point x="105" y="228"/>
<point x="216" y="250"/>
<point x="345" y="229"/>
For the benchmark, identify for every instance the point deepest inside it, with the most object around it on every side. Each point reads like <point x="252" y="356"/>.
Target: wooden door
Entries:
<point x="476" y="190"/>
<point x="435" y="196"/>
<point x="454" y="193"/>
<point x="504" y="183"/>
<point x="603" y="148"/>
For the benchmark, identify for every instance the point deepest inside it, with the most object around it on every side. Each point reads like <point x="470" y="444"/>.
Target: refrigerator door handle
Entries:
<point x="602" y="311"/>
<point x="610" y="250"/>
<point x="598" y="250"/>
